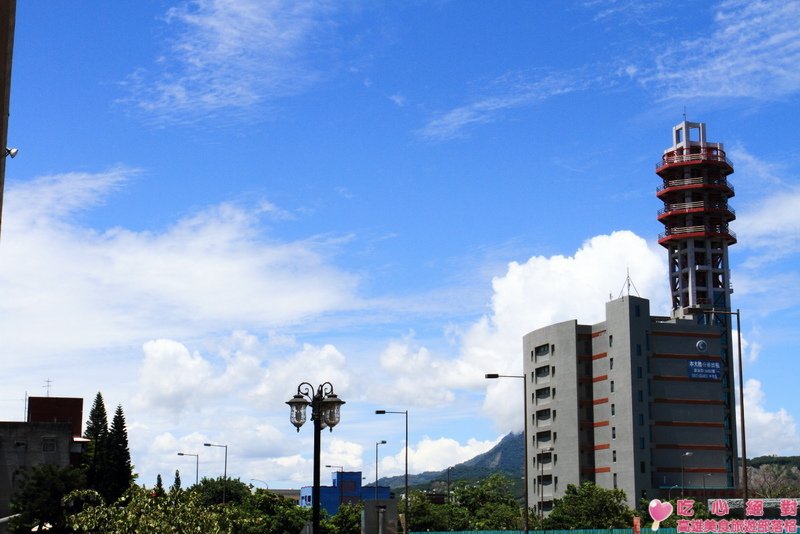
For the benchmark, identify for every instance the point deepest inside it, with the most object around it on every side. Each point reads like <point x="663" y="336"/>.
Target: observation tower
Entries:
<point x="696" y="217"/>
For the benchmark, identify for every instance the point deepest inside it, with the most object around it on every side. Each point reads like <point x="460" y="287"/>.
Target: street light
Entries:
<point x="381" y="442"/>
<point x="741" y="394"/>
<point x="259" y="480"/>
<point x="225" y="472"/>
<point x="705" y="497"/>
<point x="405" y="504"/>
<point x="339" y="480"/>
<point x="669" y="492"/>
<point x="325" y="412"/>
<point x="196" y="465"/>
<point x="684" y="455"/>
<point x="525" y="430"/>
<point x="12" y="152"/>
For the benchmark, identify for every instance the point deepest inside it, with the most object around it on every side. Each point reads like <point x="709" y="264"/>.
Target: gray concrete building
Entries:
<point x="639" y="402"/>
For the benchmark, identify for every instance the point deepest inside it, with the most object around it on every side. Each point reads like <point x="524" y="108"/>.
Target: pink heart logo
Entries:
<point x="659" y="511"/>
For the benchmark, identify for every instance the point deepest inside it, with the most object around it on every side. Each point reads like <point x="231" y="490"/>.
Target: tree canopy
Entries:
<point x="590" y="506"/>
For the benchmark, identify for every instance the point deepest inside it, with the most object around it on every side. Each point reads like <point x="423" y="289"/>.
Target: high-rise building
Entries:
<point x="639" y="402"/>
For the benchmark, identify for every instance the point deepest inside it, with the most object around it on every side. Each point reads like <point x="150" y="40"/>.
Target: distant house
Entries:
<point x="51" y="435"/>
<point x="346" y="488"/>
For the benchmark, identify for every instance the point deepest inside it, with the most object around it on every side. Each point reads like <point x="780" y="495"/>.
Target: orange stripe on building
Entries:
<point x="682" y="446"/>
<point x="688" y="423"/>
<point x="686" y="334"/>
<point x="599" y="378"/>
<point x="670" y="400"/>
<point x="598" y="356"/>
<point x="600" y="401"/>
<point x="707" y="357"/>
<point x="602" y="469"/>
<point x="601" y="447"/>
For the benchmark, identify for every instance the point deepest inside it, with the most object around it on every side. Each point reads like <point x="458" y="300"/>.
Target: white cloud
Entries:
<point x="434" y="455"/>
<point x="505" y="93"/>
<point x="233" y="54"/>
<point x="750" y="52"/>
<point x="546" y="290"/>
<point x="213" y="270"/>
<point x="767" y="432"/>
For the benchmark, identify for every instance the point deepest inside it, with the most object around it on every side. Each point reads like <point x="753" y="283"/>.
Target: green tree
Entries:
<point x="490" y="503"/>
<point x="211" y="490"/>
<point x="346" y="521"/>
<point x="277" y="514"/>
<point x="38" y="499"/>
<point x="97" y="433"/>
<point x="119" y="472"/>
<point x="589" y="506"/>
<point x="176" y="484"/>
<point x="158" y="491"/>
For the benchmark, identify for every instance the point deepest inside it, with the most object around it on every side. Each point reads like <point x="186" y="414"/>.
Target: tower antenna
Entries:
<point x="628" y="283"/>
<point x="684" y="113"/>
<point x="48" y="383"/>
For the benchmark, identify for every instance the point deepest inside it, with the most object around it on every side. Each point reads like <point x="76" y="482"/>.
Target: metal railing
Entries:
<point x="703" y="154"/>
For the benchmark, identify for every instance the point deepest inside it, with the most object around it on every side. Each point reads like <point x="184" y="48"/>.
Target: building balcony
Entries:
<point x="689" y="232"/>
<point x="680" y="208"/>
<point x="682" y="184"/>
<point x="692" y="156"/>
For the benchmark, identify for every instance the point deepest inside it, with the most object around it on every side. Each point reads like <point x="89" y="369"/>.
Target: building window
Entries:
<point x="542" y="350"/>
<point x="638" y="349"/>
<point x="611" y="363"/>
<point x="612" y="386"/>
<point x="610" y="341"/>
<point x="641" y="443"/>
<point x="613" y="432"/>
<point x="640" y="395"/>
<point x="553" y="371"/>
<point x="613" y="410"/>
<point x="641" y="419"/>
<point x="638" y="372"/>
<point x="642" y="467"/>
<point x="637" y="311"/>
<point x="614" y="456"/>
<point x="48" y="444"/>
<point x="615" y="481"/>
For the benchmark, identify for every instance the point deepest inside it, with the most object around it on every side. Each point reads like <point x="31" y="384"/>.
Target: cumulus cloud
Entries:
<point x="209" y="271"/>
<point x="434" y="455"/>
<point x="545" y="290"/>
<point x="767" y="432"/>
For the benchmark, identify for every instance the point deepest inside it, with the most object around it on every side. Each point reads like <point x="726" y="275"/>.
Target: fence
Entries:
<point x="579" y="531"/>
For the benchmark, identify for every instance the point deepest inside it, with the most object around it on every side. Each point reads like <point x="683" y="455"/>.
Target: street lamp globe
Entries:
<point x="331" y="405"/>
<point x="297" y="410"/>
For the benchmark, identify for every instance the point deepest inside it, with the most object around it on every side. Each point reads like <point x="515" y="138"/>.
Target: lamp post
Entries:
<point x="266" y="485"/>
<point x="196" y="465"/>
<point x="339" y="480"/>
<point x="381" y="442"/>
<point x="741" y="394"/>
<point x="325" y="412"/>
<point x="705" y="497"/>
<point x="405" y="504"/>
<point x="684" y="455"/>
<point x="525" y="450"/>
<point x="669" y="492"/>
<point x="225" y="472"/>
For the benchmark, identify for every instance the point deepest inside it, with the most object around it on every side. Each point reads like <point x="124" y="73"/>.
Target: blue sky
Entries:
<point x="216" y="200"/>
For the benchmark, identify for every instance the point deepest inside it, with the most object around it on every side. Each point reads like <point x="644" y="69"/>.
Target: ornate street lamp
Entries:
<point x="325" y="412"/>
<point x="405" y="504"/>
<point x="525" y="453"/>
<point x="196" y="465"/>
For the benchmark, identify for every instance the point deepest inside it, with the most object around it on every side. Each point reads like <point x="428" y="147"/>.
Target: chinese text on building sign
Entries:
<point x="705" y="369"/>
<point x="753" y="523"/>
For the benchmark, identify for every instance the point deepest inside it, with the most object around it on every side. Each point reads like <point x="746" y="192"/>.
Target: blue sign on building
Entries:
<point x="709" y="370"/>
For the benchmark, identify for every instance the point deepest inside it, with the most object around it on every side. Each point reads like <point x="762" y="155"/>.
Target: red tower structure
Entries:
<point x="696" y="218"/>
